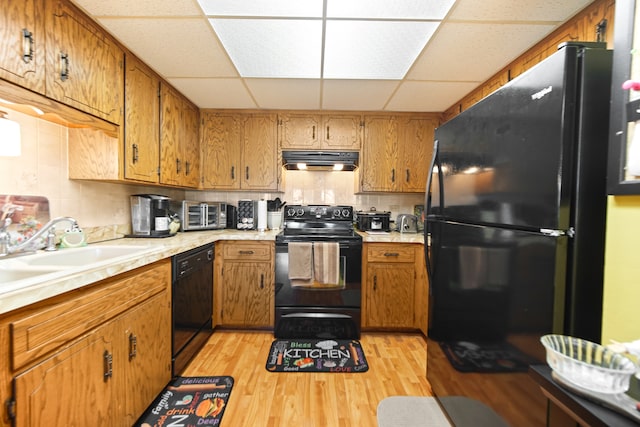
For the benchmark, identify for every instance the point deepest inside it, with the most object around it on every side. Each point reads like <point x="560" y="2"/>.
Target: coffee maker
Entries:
<point x="150" y="216"/>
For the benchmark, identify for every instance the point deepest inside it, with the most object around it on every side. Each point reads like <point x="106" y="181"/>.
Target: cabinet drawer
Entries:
<point x="55" y="325"/>
<point x="247" y="251"/>
<point x="390" y="253"/>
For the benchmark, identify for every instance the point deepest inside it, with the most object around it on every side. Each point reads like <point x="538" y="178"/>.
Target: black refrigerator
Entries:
<point x="515" y="216"/>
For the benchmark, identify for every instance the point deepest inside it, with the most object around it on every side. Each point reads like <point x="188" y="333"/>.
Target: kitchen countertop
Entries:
<point x="57" y="283"/>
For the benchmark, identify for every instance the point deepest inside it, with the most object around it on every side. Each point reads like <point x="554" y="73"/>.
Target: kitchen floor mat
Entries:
<point x="468" y="356"/>
<point x="189" y="401"/>
<point x="306" y="355"/>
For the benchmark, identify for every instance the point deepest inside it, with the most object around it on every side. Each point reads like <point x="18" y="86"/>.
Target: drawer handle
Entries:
<point x="133" y="346"/>
<point x="27" y="45"/>
<point x="391" y="254"/>
<point x="246" y="252"/>
<point x="108" y="365"/>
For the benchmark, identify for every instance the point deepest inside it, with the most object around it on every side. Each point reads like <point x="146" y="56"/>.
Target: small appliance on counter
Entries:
<point x="150" y="215"/>
<point x="247" y="215"/>
<point x="373" y="220"/>
<point x="232" y="216"/>
<point x="407" y="223"/>
<point x="202" y="215"/>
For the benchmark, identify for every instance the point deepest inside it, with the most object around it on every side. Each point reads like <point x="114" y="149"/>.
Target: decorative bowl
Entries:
<point x="587" y="364"/>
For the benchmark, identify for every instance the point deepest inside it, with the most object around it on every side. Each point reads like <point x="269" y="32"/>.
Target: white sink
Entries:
<point x="84" y="256"/>
<point x="26" y="270"/>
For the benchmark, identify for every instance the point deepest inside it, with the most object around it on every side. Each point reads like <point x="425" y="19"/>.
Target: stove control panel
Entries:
<point x="319" y="212"/>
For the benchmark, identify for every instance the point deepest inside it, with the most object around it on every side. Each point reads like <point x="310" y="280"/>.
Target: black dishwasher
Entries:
<point x="192" y="306"/>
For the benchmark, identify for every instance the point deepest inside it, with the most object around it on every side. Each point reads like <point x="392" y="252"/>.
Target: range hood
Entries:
<point x="320" y="160"/>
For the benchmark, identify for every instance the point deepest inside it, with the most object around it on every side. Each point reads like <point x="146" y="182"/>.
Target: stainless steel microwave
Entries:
<point x="202" y="215"/>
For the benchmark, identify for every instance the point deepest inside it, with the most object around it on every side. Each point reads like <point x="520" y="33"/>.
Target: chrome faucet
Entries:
<point x="31" y="244"/>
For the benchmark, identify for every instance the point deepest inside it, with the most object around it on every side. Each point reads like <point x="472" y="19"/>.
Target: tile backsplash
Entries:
<point x="103" y="208"/>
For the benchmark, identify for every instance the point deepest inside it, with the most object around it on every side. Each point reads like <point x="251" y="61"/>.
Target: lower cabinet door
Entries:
<point x="72" y="387"/>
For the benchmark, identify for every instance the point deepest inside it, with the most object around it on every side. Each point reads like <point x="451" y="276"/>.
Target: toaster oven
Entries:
<point x="202" y="215"/>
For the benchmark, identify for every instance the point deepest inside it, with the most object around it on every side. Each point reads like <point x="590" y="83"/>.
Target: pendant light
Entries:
<point x="9" y="136"/>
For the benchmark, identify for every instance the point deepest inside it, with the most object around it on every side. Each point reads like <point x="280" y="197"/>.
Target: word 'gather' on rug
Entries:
<point x="189" y="401"/>
<point x="305" y="355"/>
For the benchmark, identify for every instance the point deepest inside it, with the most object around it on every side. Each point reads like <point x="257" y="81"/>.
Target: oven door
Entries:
<point x="332" y="312"/>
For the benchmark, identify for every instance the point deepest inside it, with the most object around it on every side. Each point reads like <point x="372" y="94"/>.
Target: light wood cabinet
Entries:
<point x="141" y="122"/>
<point x="396" y="153"/>
<point x="239" y="151"/>
<point x="309" y="131"/>
<point x="394" y="286"/>
<point x="84" y="65"/>
<point x="244" y="283"/>
<point x="179" y="147"/>
<point x="52" y="48"/>
<point x="22" y="44"/>
<point x="98" y="356"/>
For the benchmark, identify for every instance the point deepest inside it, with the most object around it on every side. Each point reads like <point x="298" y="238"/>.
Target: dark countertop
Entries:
<point x="592" y="413"/>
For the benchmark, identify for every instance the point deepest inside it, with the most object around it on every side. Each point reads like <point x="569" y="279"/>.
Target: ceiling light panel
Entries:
<point x="373" y="49"/>
<point x="264" y="8"/>
<point x="386" y="9"/>
<point x="282" y="48"/>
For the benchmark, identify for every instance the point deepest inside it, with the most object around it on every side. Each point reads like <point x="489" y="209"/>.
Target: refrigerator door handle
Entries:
<point x="427" y="204"/>
<point x="558" y="233"/>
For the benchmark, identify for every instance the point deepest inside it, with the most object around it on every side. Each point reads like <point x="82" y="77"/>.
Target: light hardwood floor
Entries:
<point x="397" y="367"/>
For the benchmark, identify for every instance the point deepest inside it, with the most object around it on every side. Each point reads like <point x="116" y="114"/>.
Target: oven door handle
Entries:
<point x="318" y="315"/>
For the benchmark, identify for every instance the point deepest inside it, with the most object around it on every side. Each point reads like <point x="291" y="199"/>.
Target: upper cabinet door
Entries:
<point x="84" y="66"/>
<point x="341" y="132"/>
<point x="416" y="137"/>
<point x="221" y="150"/>
<point x="260" y="153"/>
<point x="22" y="58"/>
<point x="378" y="171"/>
<point x="299" y="131"/>
<point x="142" y="122"/>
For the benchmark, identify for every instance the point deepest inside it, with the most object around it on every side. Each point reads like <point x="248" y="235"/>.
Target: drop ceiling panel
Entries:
<point x="476" y="40"/>
<point x="174" y="47"/>
<point x="140" y="7"/>
<point x="297" y="94"/>
<point x="474" y="52"/>
<point x="428" y="96"/>
<point x="215" y="93"/>
<point x="550" y="11"/>
<point x="367" y="95"/>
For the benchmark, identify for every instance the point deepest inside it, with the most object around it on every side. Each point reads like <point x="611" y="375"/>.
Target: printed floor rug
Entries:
<point x="189" y="401"/>
<point x="306" y="355"/>
<point x="468" y="356"/>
